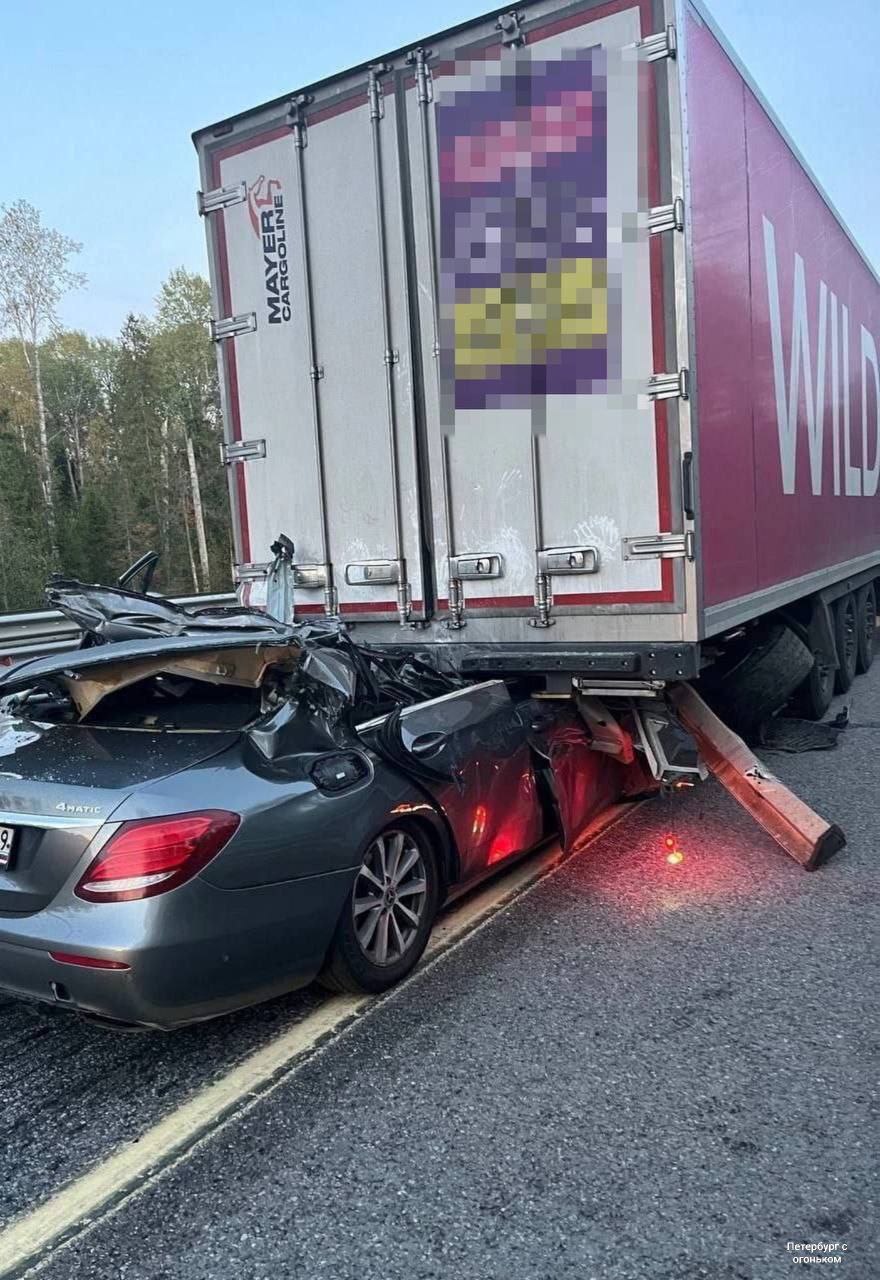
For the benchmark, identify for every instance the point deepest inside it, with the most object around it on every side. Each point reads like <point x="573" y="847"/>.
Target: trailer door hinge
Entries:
<point x="660" y="546"/>
<point x="418" y="58"/>
<point x="662" y="45"/>
<point x="510" y="26"/>
<point x="296" y="118"/>
<point x="374" y="89"/>
<point x="242" y="451"/>
<point x="666" y="386"/>
<point x="221" y="197"/>
<point x="251" y="571"/>
<point x="308" y="577"/>
<point x="232" y="326"/>
<point x="667" y="217"/>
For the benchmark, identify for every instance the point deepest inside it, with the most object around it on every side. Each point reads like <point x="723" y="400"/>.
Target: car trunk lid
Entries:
<point x="60" y="783"/>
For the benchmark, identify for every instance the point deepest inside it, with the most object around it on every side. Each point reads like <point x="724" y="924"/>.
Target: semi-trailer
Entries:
<point x="546" y="348"/>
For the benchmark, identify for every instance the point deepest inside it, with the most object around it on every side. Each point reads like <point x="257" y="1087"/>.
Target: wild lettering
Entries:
<point x="821" y="378"/>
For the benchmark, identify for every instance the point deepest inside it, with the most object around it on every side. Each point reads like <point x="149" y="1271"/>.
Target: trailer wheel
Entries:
<point x="760" y="683"/>
<point x="866" y="613"/>
<point x="813" y="698"/>
<point x="846" y="640"/>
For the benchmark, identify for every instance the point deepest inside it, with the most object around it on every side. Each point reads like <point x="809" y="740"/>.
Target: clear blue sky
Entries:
<point x="98" y="100"/>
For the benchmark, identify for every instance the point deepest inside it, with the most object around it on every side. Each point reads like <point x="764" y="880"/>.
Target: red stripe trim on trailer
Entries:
<point x="231" y="370"/>
<point x="357" y="99"/>
<point x="595" y="597"/>
<point x="361" y="607"/>
<point x="247" y="144"/>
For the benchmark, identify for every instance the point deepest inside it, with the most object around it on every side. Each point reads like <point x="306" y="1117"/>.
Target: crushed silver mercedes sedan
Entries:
<point x="200" y="810"/>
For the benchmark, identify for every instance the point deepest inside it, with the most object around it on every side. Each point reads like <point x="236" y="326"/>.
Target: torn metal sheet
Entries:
<point x="606" y="735"/>
<point x="585" y="779"/>
<point x="111" y="613"/>
<point x="280" y="581"/>
<point x="243" y="668"/>
<point x="55" y="665"/>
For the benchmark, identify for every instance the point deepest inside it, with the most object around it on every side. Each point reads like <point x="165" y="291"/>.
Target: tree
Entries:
<point x="188" y="382"/>
<point x="133" y="432"/>
<point x="34" y="276"/>
<point x="72" y="395"/>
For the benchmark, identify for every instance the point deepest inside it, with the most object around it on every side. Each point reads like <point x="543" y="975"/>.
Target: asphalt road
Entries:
<point x="635" y="1071"/>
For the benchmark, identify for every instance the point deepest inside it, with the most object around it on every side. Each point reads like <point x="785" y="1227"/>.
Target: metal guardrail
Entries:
<point x="24" y="635"/>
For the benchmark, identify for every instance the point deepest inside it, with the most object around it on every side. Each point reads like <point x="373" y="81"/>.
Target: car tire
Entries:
<point x="846" y="641"/>
<point x="387" y="918"/>
<point x="763" y="676"/>
<point x="866" y="617"/>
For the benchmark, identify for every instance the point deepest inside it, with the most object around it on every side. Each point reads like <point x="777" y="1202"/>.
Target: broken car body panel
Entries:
<point x="163" y="725"/>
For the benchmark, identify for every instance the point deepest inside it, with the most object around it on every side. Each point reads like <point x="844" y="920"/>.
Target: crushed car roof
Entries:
<point x="111" y="613"/>
<point x="130" y="637"/>
<point x="34" y="670"/>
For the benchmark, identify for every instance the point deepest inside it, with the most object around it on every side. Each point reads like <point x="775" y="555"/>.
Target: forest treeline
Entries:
<point x="109" y="447"/>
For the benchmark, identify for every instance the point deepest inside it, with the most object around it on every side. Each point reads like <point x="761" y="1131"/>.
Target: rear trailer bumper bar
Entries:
<point x="799" y="830"/>
<point x="642" y="660"/>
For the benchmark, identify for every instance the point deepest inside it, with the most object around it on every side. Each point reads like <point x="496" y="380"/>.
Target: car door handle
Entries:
<point x="426" y="744"/>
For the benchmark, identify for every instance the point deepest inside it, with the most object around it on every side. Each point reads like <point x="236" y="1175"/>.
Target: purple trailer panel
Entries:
<point x="787" y="328"/>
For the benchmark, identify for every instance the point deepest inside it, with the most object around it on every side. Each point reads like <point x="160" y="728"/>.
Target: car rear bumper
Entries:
<point x="208" y="952"/>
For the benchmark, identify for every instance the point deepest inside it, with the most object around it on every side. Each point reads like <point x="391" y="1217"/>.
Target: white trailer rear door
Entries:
<point x="316" y="345"/>
<point x="549" y="452"/>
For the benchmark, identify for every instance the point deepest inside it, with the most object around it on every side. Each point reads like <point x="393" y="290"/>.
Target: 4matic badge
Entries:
<point x="267" y="213"/>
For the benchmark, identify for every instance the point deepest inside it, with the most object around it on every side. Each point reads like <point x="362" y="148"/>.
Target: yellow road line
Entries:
<point x="78" y="1207"/>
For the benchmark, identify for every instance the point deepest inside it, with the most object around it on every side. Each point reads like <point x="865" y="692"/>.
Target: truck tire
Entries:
<point x="762" y="681"/>
<point x="846" y="641"/>
<point x="813" y="698"/>
<point x="866" y="615"/>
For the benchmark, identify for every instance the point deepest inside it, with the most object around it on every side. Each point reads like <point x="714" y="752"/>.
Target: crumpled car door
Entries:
<point x="470" y="750"/>
<point x="584" y="781"/>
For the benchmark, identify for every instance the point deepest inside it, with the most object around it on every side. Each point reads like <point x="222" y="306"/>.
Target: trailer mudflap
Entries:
<point x="799" y="830"/>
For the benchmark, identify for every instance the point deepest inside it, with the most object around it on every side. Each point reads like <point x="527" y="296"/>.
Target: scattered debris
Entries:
<point x="789" y="734"/>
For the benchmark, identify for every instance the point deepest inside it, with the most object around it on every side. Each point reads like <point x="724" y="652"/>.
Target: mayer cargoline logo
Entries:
<point x="268" y="219"/>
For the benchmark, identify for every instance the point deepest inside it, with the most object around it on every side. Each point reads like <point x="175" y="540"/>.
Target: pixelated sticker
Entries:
<point x="523" y="231"/>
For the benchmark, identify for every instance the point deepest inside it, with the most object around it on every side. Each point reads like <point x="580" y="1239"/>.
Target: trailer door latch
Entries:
<point x="661" y="546"/>
<point x="568" y="560"/>
<point x="478" y="564"/>
<point x="372" y="573"/>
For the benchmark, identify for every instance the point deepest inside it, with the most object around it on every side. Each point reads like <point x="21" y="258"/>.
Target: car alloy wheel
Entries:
<point x="389" y="898"/>
<point x="386" y="921"/>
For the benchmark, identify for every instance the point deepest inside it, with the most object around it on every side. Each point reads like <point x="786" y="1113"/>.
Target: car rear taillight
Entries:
<point x="87" y="962"/>
<point x="154" y="855"/>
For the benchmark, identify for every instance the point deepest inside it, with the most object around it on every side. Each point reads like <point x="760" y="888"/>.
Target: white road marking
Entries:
<point x="83" y="1203"/>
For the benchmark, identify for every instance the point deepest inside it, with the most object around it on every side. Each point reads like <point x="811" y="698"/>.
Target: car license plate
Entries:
<point x="7" y="839"/>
